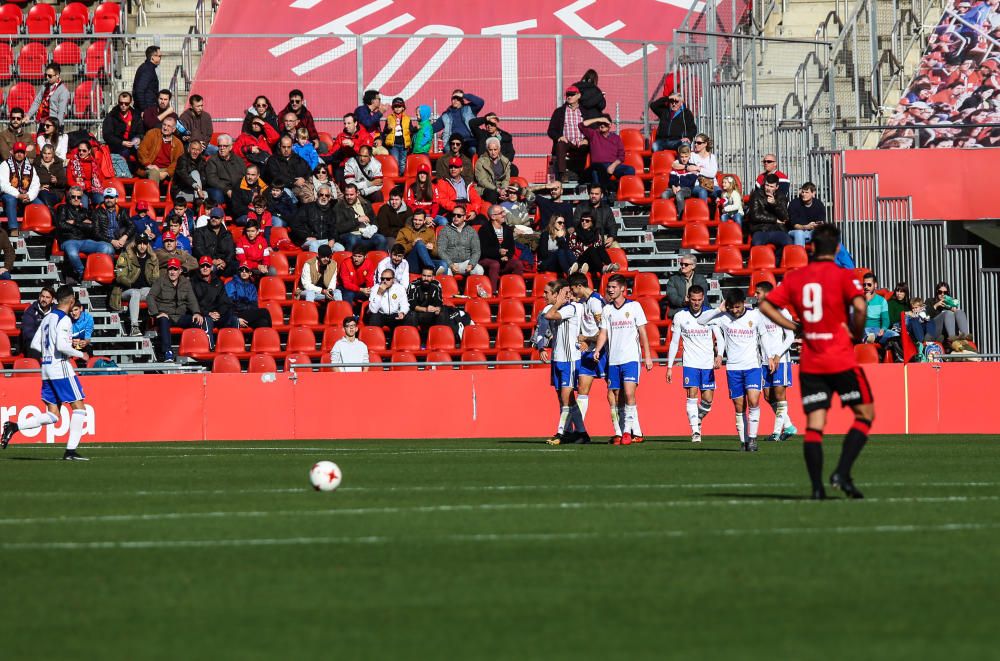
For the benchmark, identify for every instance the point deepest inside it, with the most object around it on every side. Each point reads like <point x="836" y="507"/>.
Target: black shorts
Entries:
<point x="852" y="387"/>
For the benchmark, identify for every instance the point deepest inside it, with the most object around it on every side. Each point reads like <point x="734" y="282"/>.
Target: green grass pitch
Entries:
<point x="502" y="549"/>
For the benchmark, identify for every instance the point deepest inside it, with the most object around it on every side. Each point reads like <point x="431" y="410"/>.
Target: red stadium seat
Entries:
<point x="632" y="189"/>
<point x="475" y="337"/>
<point x="277" y="316"/>
<point x="646" y="284"/>
<point x="538" y="284"/>
<point x="88" y="100"/>
<point x="119" y="185"/>
<point x="474" y="282"/>
<point x="98" y="61"/>
<point x="633" y="141"/>
<point x="8" y="320"/>
<point x="793" y="257"/>
<point x="618" y="256"/>
<point x="299" y="358"/>
<point x="279" y="261"/>
<point x="651" y="307"/>
<point x="66" y="55"/>
<point x="390" y="168"/>
<point x="194" y="344"/>
<point x="479" y="310"/>
<point x="41" y="19"/>
<point x="330" y="337"/>
<point x="730" y="234"/>
<point x="406" y="338"/>
<point x="271" y="288"/>
<point x="336" y="312"/>
<point x="508" y="355"/>
<point x="439" y="357"/>
<point x="74" y="19"/>
<point x="760" y="276"/>
<point x="695" y="210"/>
<point x="261" y="363"/>
<point x="510" y="336"/>
<point x="729" y="260"/>
<point x="696" y="237"/>
<point x="662" y="162"/>
<point x="653" y="335"/>
<point x="473" y="355"/>
<point x="11" y="19"/>
<point x="761" y="257"/>
<point x="449" y="286"/>
<point x="6" y="58"/>
<point x="440" y="337"/>
<point x="404" y="357"/>
<point x="513" y="286"/>
<point x="31" y="62"/>
<point x="511" y="312"/>
<point x="100" y="268"/>
<point x="265" y="340"/>
<point x="23" y="363"/>
<point x="147" y="190"/>
<point x="226" y="363"/>
<point x="664" y="212"/>
<point x="230" y="340"/>
<point x="376" y="256"/>
<point x="301" y="339"/>
<point x="634" y="160"/>
<point x="107" y="17"/>
<point x="37" y="218"/>
<point x="21" y="95"/>
<point x="866" y="354"/>
<point x="4" y="346"/>
<point x="373" y="337"/>
<point x="304" y="313"/>
<point x="280" y="239"/>
<point x="10" y="295"/>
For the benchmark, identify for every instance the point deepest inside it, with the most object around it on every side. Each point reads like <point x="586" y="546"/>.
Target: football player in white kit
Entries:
<point x="564" y="315"/>
<point x="60" y="384"/>
<point x="699" y="361"/>
<point x="776" y="364"/>
<point x="590" y="369"/>
<point x="623" y="330"/>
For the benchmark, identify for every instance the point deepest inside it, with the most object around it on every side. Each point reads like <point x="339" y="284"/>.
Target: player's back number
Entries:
<point x="812" y="302"/>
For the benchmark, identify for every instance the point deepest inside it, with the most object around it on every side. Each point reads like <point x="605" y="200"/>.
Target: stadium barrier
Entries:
<point x="913" y="398"/>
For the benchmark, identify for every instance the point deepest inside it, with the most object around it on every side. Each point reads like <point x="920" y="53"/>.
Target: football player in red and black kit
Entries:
<point x="822" y="295"/>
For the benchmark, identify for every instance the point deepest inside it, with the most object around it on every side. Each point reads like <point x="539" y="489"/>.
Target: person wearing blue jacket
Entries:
<point x="370" y="113"/>
<point x="242" y="291"/>
<point x="455" y="119"/>
<point x="83" y="326"/>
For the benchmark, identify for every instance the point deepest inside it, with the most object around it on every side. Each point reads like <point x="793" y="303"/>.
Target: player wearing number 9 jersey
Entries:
<point x="822" y="294"/>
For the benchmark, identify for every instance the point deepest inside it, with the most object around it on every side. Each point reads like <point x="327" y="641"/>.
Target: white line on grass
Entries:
<point x="494" y="537"/>
<point x="441" y="509"/>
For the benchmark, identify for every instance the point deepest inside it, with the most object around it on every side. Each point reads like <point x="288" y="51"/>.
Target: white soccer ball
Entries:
<point x="325" y="476"/>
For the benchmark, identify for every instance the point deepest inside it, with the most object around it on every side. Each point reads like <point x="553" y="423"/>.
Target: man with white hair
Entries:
<point x="492" y="172"/>
<point x="224" y="171"/>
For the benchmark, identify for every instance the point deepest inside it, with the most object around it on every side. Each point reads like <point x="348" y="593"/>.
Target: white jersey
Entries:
<point x="622" y="326"/>
<point x="590" y="326"/>
<point x="566" y="331"/>
<point x="742" y="334"/>
<point x="776" y="340"/>
<point x="54" y="340"/>
<point x="699" y="347"/>
<point x="349" y="351"/>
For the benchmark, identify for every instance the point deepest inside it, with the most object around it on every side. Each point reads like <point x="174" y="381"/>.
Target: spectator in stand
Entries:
<point x="7" y="253"/>
<point x="878" y="328"/>
<point x="223" y="171"/>
<point x="918" y="323"/>
<point x="83" y="171"/>
<point x="136" y="269"/>
<point x="607" y="152"/>
<point x="454" y="121"/>
<point x="159" y="151"/>
<point x="122" y="130"/>
<point x="145" y="223"/>
<point x="305" y="149"/>
<point x="190" y="174"/>
<point x="171" y="302"/>
<point x="458" y="245"/>
<point x="419" y="240"/>
<point x="387" y="303"/>
<point x="113" y="222"/>
<point x="551" y="204"/>
<point x="396" y="262"/>
<point x="318" y="279"/>
<point x="770" y="162"/>
<point x="399" y="132"/>
<point x="347" y="143"/>
<point x="554" y="255"/>
<point x="768" y="217"/>
<point x="289" y="125"/>
<point x="484" y="128"/>
<point x="20" y="185"/>
<point x="569" y="146"/>
<point x="281" y="208"/>
<point x="676" y="125"/>
<point x="354" y="224"/>
<point x="349" y="349"/>
<point x="899" y="305"/>
<point x="297" y="105"/>
<point x="180" y="219"/>
<point x="213" y="302"/>
<point x="242" y="293"/>
<point x="455" y="189"/>
<point x="683" y="179"/>
<point x="250" y="187"/>
<point x="492" y="172"/>
<point x="423" y="195"/>
<point x="805" y="213"/>
<point x="950" y="321"/>
<point x="369" y="114"/>
<point x="254" y="143"/>
<point x="365" y="172"/>
<point x="286" y="169"/>
<point x="423" y="139"/>
<point x="731" y="200"/>
<point x="146" y="83"/>
<point x="498" y="255"/>
<point x="257" y="215"/>
<point x="315" y="224"/>
<point x="599" y="209"/>
<point x="592" y="102"/>
<point x="704" y="163"/>
<point x="252" y="250"/>
<point x="152" y="117"/>
<point x="392" y="217"/>
<point x="357" y="277"/>
<point x="53" y="98"/>
<point x="50" y="133"/>
<point x="14" y="133"/>
<point x="198" y="124"/>
<point x="77" y="233"/>
<point x="321" y="177"/>
<point x="680" y="283"/>
<point x="587" y="246"/>
<point x="427" y="302"/>
<point x="518" y="204"/>
<point x="170" y="251"/>
<point x="215" y="242"/>
<point x="83" y="326"/>
<point x="262" y="109"/>
<point x="31" y="319"/>
<point x="443" y="166"/>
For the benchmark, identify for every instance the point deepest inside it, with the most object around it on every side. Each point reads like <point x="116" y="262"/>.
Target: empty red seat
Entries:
<point x="663" y="212"/>
<point x="373" y="337"/>
<point x="230" y="340"/>
<point x="301" y="339"/>
<point x="511" y="312"/>
<point x="226" y="363"/>
<point x="866" y="354"/>
<point x="633" y="140"/>
<point x="304" y="313"/>
<point x="729" y="260"/>
<point x="146" y="190"/>
<point x="632" y="189"/>
<point x="761" y="257"/>
<point x="265" y="340"/>
<point x="6" y="59"/>
<point x="41" y="19"/>
<point x="449" y="286"/>
<point x="271" y="288"/>
<point x="510" y="336"/>
<point x="21" y="95"/>
<point x="4" y="346"/>
<point x="440" y="337"/>
<point x="37" y="218"/>
<point x="439" y="356"/>
<point x="757" y="277"/>
<point x="10" y="295"/>
<point x="23" y="363"/>
<point x="31" y="62"/>
<point x="508" y="355"/>
<point x="261" y="363"/>
<point x="98" y="61"/>
<point x="695" y="209"/>
<point x="66" y="55"/>
<point x="662" y="161"/>
<point x="473" y="355"/>
<point x="651" y="307"/>
<point x="336" y="311"/>
<point x="646" y="284"/>
<point x="730" y="234"/>
<point x="473" y="283"/>
<point x="88" y="100"/>
<point x="404" y="357"/>
<point x="696" y="237"/>
<point x="107" y="17"/>
<point x="479" y="310"/>
<point x="793" y="257"/>
<point x="8" y="320"/>
<point x="406" y="338"/>
<point x="330" y="337"/>
<point x="100" y="268"/>
<point x="74" y="19"/>
<point x="10" y="19"/>
<point x="513" y="286"/>
<point x="194" y="343"/>
<point x="475" y="337"/>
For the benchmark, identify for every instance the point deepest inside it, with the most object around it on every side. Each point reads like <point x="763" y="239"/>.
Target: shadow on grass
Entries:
<point x="756" y="496"/>
<point x="525" y="441"/>
<point x="27" y="459"/>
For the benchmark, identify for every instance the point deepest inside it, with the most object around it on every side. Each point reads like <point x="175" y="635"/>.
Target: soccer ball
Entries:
<point x="325" y="476"/>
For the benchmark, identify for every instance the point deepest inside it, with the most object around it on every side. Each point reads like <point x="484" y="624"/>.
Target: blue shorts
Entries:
<point x="740" y="381"/>
<point x="564" y="374"/>
<point x="59" y="391"/>
<point x="699" y="378"/>
<point x="590" y="367"/>
<point x="781" y="376"/>
<point x="620" y="374"/>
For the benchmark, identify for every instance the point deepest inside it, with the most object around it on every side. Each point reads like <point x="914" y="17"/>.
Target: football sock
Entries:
<point x="780" y="417"/>
<point x="583" y="401"/>
<point x="576" y="415"/>
<point x="855" y="440"/>
<point x="812" y="450"/>
<point x="704" y="406"/>
<point x="623" y="418"/>
<point x="753" y="421"/>
<point x="39" y="420"/>
<point x="632" y="419"/>
<point x="739" y="426"/>
<point x="692" y="412"/>
<point x="616" y="421"/>
<point x="563" y="419"/>
<point x="76" y="422"/>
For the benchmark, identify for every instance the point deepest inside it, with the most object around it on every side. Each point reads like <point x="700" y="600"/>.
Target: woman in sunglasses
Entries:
<point x="50" y="133"/>
<point x="261" y="108"/>
<point x="950" y="321"/>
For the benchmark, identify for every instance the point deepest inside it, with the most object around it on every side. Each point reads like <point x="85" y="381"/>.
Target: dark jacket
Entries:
<point x="222" y="174"/>
<point x="305" y="119"/>
<point x="677" y="290"/>
<point x="425" y="293"/>
<point x="604" y="219"/>
<point x="347" y="217"/>
<point x="547" y="207"/>
<point x="242" y="294"/>
<point x="31" y="319"/>
<point x="198" y="128"/>
<point x="313" y="220"/>
<point x="243" y="195"/>
<point x="217" y="246"/>
<point x="480" y="134"/>
<point x="146" y="86"/>
<point x="282" y="172"/>
<point x="489" y="247"/>
<point x="113" y="128"/>
<point x="282" y="206"/>
<point x="183" y="183"/>
<point x="672" y="127"/>
<point x="389" y="221"/>
<point x="557" y="125"/>
<point x="800" y="214"/>
<point x="543" y="246"/>
<point x="170" y="300"/>
<point x="75" y="224"/>
<point x="441" y="166"/>
<point x="212" y="296"/>
<point x="125" y="226"/>
<point x="47" y="172"/>
<point x="592" y="101"/>
<point x="765" y="217"/>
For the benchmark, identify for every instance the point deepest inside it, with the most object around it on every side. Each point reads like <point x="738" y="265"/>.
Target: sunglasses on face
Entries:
<point x="699" y="142"/>
<point x="206" y="266"/>
<point x="295" y="102"/>
<point x="173" y="268"/>
<point x="387" y="279"/>
<point x="324" y="195"/>
<point x="942" y="291"/>
<point x="50" y="75"/>
<point x="868" y="285"/>
<point x="768" y="161"/>
<point x="76" y="197"/>
<point x="260" y="105"/>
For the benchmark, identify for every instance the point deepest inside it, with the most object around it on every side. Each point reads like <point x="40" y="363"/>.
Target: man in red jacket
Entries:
<point x="347" y="143"/>
<point x="357" y="276"/>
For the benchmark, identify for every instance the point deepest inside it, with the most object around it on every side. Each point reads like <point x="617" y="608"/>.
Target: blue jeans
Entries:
<point x="398" y="152"/>
<point x="216" y="195"/>
<point x="663" y="144"/>
<point x="683" y="194"/>
<point x="163" y="325"/>
<point x="420" y="257"/>
<point x="800" y="237"/>
<point x="10" y="204"/>
<point x="886" y="335"/>
<point x="777" y="238"/>
<point x="734" y="216"/>
<point x="211" y="150"/>
<point x="377" y="242"/>
<point x="599" y="174"/>
<point x="96" y="198"/>
<point x="919" y="328"/>
<point x="74" y="249"/>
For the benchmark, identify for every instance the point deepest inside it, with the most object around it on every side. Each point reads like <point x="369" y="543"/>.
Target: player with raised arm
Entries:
<point x="60" y="385"/>
<point x="776" y="364"/>
<point x="590" y="369"/>
<point x="699" y="361"/>
<point x="564" y="315"/>
<point x="623" y="332"/>
<point x="821" y="295"/>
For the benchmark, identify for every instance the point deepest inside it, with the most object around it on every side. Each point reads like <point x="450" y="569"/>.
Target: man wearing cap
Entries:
<point x="223" y="172"/>
<point x="213" y="302"/>
<point x="318" y="278"/>
<point x="215" y="242"/>
<point x="349" y="349"/>
<point x="387" y="303"/>
<point x="458" y="245"/>
<point x="487" y="127"/>
<point x="365" y="172"/>
<point x="171" y="250"/>
<point x="357" y="276"/>
<point x="492" y="172"/>
<point x="569" y="146"/>
<point x="14" y="133"/>
<point x="171" y="302"/>
<point x="136" y="269"/>
<point x="453" y="150"/>
<point x="159" y="151"/>
<point x="113" y="222"/>
<point x="172" y="224"/>
<point x="19" y="183"/>
<point x="456" y="117"/>
<point x="607" y="153"/>
<point x="189" y="175"/>
<point x="144" y="223"/>
<point x="354" y="222"/>
<point x="455" y="189"/>
<point x="398" y="135"/>
<point x="77" y="232"/>
<point x="392" y="217"/>
<point x="314" y="224"/>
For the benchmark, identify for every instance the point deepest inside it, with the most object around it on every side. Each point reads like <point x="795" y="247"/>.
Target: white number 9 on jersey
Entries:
<point x="812" y="302"/>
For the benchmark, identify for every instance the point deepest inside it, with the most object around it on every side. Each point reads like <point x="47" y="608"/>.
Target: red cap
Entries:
<point x="424" y="168"/>
<point x="455" y="161"/>
<point x="205" y="259"/>
<point x="173" y="263"/>
<point x="142" y="205"/>
<point x="169" y="236"/>
<point x="19" y="146"/>
<point x="572" y="89"/>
